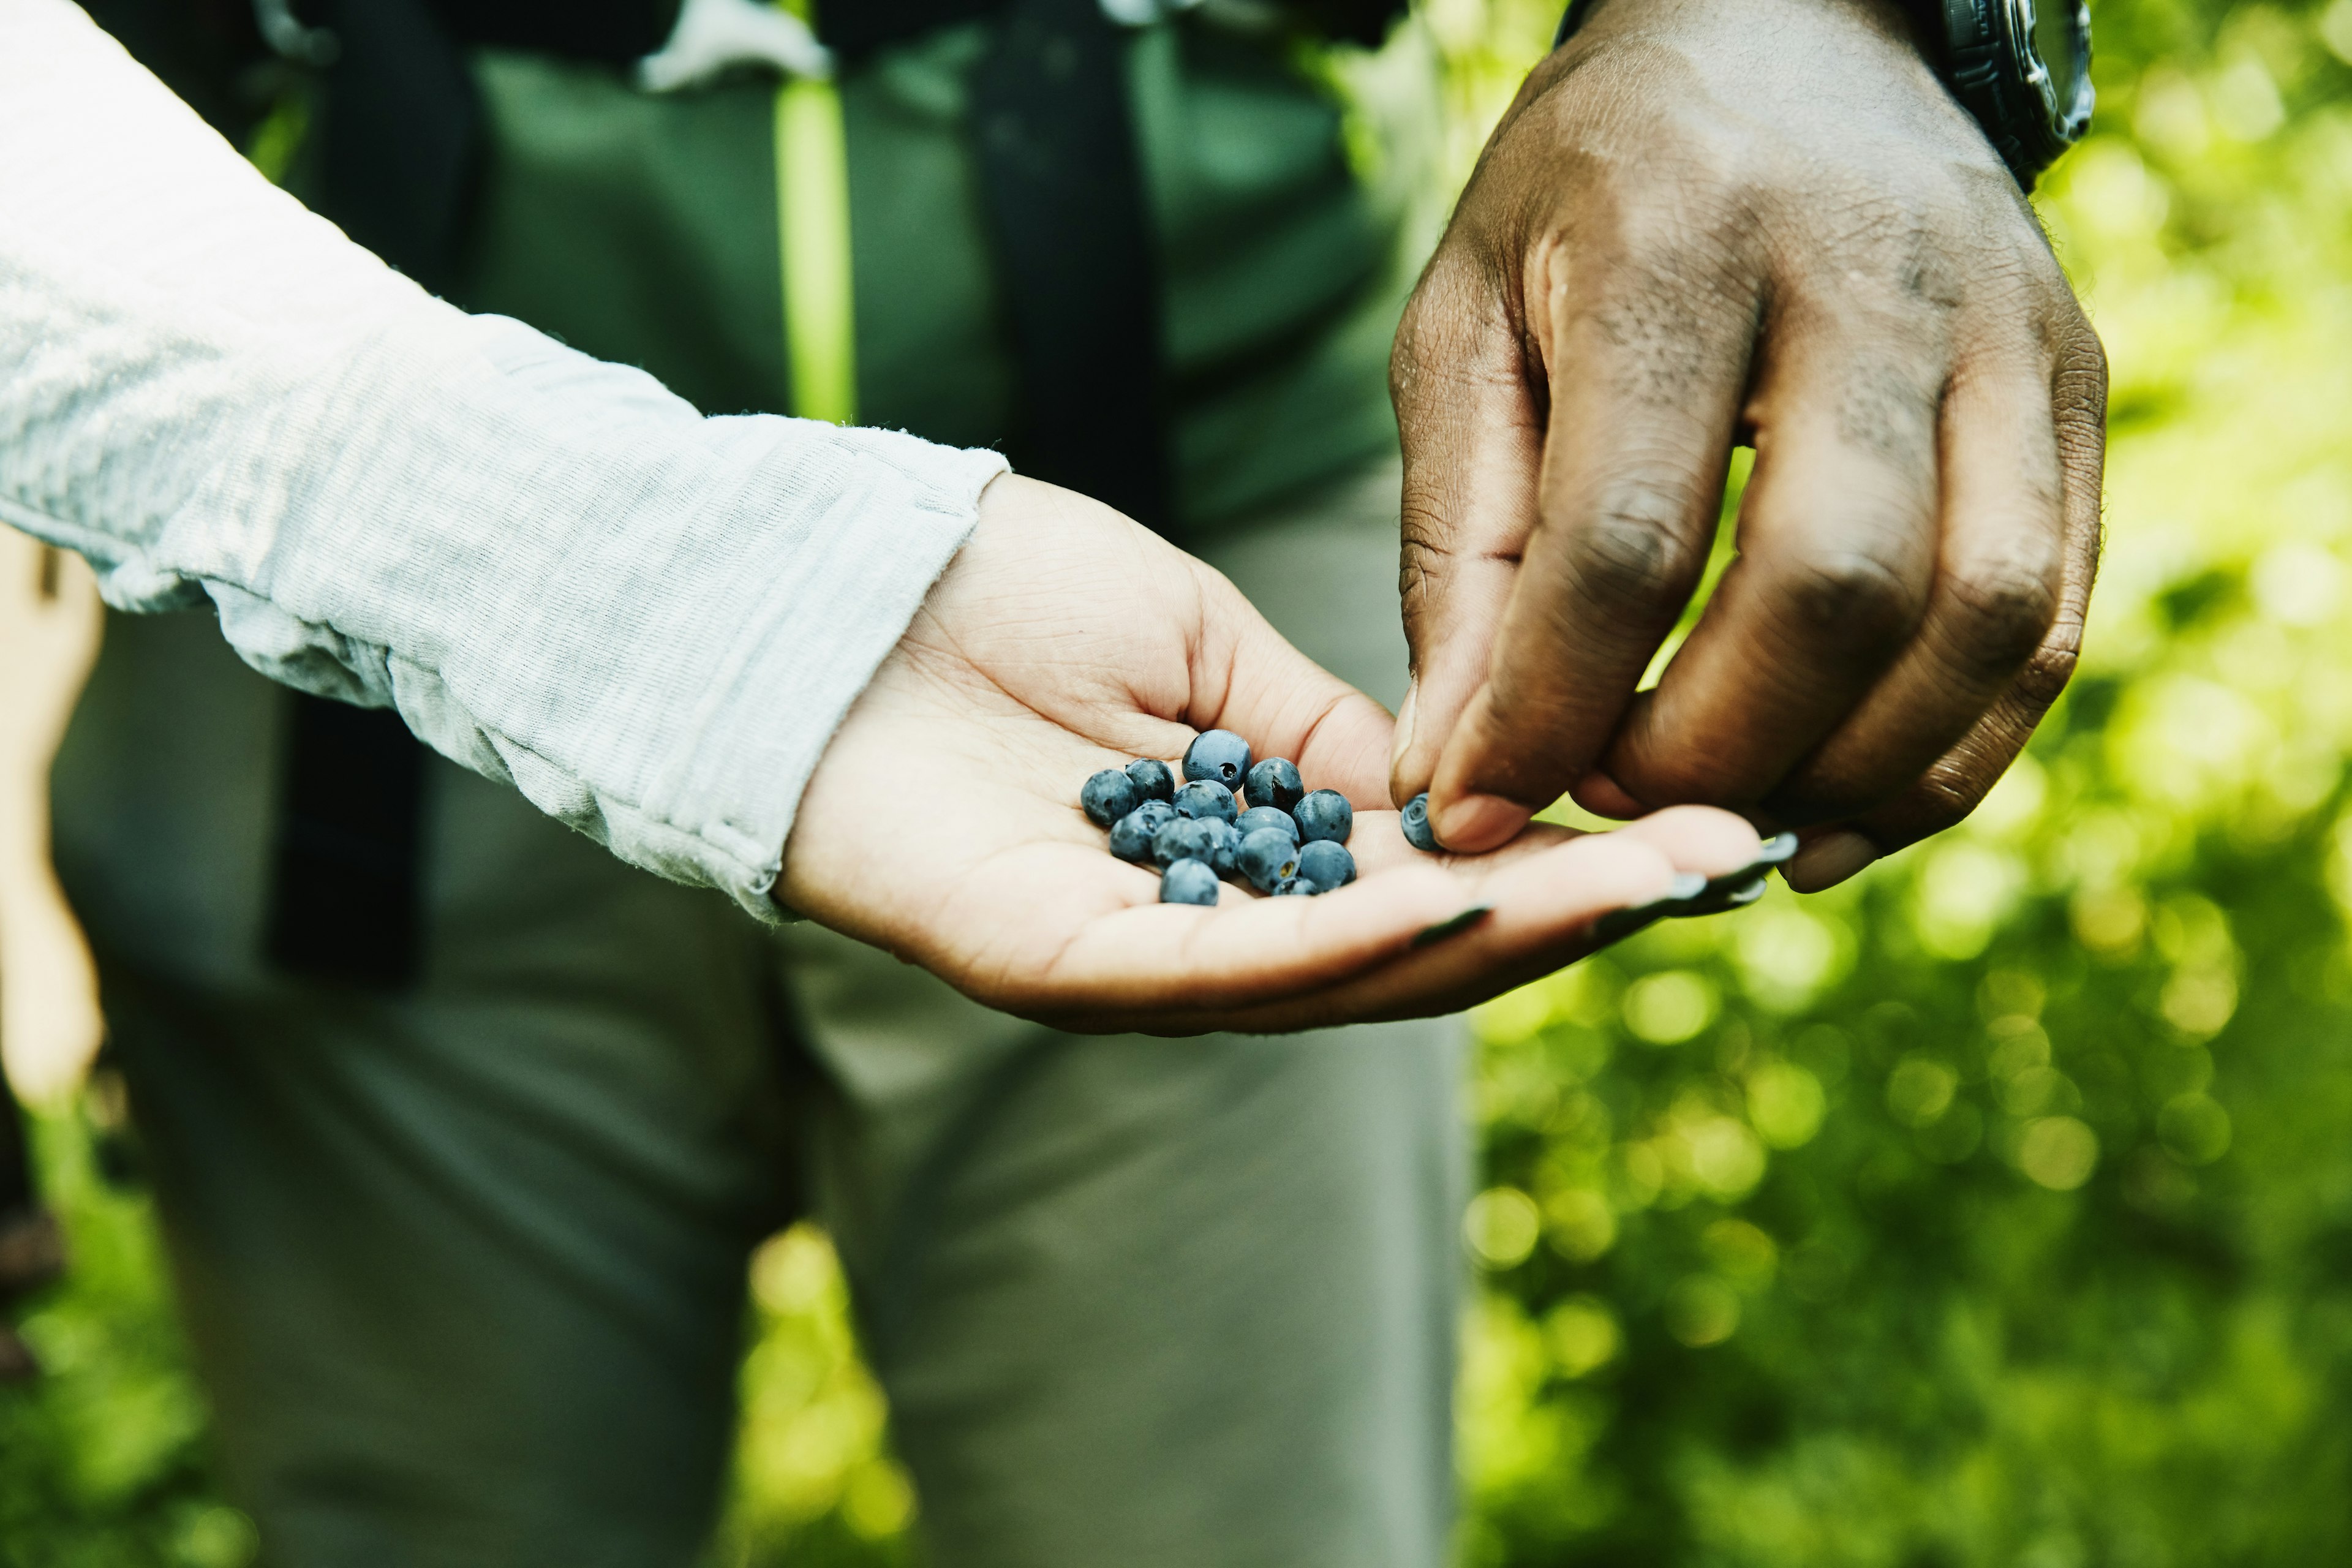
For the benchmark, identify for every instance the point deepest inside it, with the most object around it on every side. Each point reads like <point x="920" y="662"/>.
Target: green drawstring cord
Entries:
<point x="812" y="232"/>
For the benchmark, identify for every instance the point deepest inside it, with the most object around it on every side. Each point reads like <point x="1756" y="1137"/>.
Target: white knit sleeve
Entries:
<point x="558" y="573"/>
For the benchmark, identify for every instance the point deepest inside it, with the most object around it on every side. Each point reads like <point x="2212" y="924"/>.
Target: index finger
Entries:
<point x="1472" y="431"/>
<point x="1645" y="381"/>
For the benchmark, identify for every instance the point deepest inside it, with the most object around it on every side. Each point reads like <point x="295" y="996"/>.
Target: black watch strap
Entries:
<point x="1967" y="51"/>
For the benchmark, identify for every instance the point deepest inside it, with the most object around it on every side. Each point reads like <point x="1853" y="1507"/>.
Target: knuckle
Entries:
<point x="1417" y="336"/>
<point x="1425" y="542"/>
<point x="1852" y="596"/>
<point x="1420" y="352"/>
<point x="1422" y="566"/>
<point x="2047" y="670"/>
<point x="2001" y="616"/>
<point x="1947" y="792"/>
<point x="2080" y="394"/>
<point x="1422" y="570"/>
<point x="1445" y="325"/>
<point x="2068" y="348"/>
<point x="1638" y="548"/>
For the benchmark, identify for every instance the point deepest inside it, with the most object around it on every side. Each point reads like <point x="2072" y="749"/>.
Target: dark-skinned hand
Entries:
<point x="1706" y="223"/>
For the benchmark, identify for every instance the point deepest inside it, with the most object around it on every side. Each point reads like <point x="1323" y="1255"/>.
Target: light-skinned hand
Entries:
<point x="1705" y="222"/>
<point x="943" y="825"/>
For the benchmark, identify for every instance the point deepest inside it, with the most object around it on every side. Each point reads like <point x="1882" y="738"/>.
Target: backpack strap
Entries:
<point x="1063" y="180"/>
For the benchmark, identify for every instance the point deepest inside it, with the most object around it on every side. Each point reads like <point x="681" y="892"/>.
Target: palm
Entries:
<point x="942" y="823"/>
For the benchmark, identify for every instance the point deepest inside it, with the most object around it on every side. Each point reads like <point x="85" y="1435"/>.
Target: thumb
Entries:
<point x="1284" y="704"/>
<point x="1472" y="430"/>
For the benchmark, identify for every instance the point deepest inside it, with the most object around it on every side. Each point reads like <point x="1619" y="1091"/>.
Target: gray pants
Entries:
<point x="464" y="1267"/>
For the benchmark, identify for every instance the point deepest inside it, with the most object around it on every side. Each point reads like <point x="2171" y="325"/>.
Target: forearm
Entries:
<point x="558" y="573"/>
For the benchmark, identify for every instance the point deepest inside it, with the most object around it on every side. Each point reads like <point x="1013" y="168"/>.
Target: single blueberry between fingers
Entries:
<point x="1131" y="836"/>
<point x="1108" y="796"/>
<point x="1326" y="864"/>
<point x="1274" y="781"/>
<point x="1218" y="754"/>
<point x="1417" y="831"/>
<point x="1265" y="857"/>
<point x="1182" y="839"/>
<point x="1188" y="882"/>
<point x="1154" y="780"/>
<point x="1258" y="816"/>
<point x="1323" y="813"/>
<point x="1205" y="798"/>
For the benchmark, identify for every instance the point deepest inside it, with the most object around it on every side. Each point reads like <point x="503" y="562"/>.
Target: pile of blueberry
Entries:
<point x="1280" y="836"/>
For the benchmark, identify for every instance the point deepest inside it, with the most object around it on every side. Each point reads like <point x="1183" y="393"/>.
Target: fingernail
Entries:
<point x="1430" y="936"/>
<point x="1731" y="891"/>
<point x="1746" y="885"/>
<point x="1828" y="860"/>
<point x="1479" y="822"/>
<point x="1692" y="894"/>
<point x="1405" y="721"/>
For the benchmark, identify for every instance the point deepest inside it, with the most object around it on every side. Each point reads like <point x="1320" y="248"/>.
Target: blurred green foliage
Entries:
<point x="1994" y="1210"/>
<point x="102" y="1461"/>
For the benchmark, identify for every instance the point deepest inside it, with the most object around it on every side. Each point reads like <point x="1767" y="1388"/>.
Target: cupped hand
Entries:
<point x="942" y="823"/>
<point x="1705" y="222"/>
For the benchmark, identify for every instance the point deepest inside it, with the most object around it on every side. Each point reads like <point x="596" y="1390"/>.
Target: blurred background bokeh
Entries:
<point x="1992" y="1212"/>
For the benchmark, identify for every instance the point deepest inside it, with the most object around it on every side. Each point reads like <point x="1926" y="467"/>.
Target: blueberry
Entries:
<point x="1182" y="839"/>
<point x="1218" y="754"/>
<point x="1205" y="798"/>
<point x="1188" y="882"/>
<point x="1325" y="814"/>
<point x="1274" y="781"/>
<point x="1131" y="837"/>
<point x="1293" y="888"/>
<point x="1154" y="780"/>
<point x="1259" y="816"/>
<point x="1417" y="831"/>
<point x="1225" y="843"/>
<point x="1265" y="857"/>
<point x="1108" y="796"/>
<point x="1326" y="865"/>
